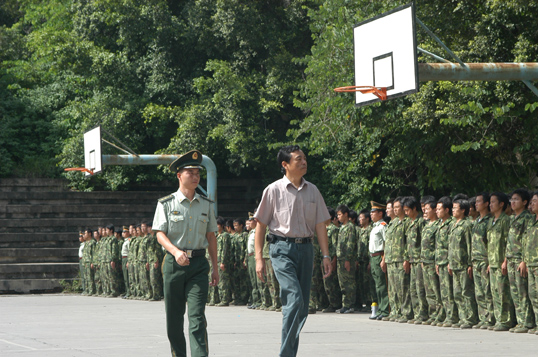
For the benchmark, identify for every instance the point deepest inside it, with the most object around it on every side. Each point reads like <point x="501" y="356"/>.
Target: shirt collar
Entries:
<point x="287" y="182"/>
<point x="182" y="197"/>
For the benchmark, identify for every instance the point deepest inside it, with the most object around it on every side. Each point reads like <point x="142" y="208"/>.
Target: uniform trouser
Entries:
<point x="106" y="278"/>
<point x="464" y="297"/>
<point x="186" y="285"/>
<point x="292" y="264"/>
<point x="380" y="280"/>
<point x="82" y="275"/>
<point x="401" y="283"/>
<point x="418" y="292"/>
<point x="447" y="294"/>
<point x="97" y="277"/>
<point x="255" y="295"/>
<point x="318" y="297"/>
<point x="143" y="280"/>
<point x="482" y="291"/>
<point x="347" y="282"/>
<point x="90" y="278"/>
<point x="225" y="289"/>
<point x="502" y="301"/>
<point x="241" y="284"/>
<point x="436" y="311"/>
<point x="156" y="281"/>
<point x="332" y="289"/>
<point x="125" y="271"/>
<point x="272" y="281"/>
<point x="133" y="286"/>
<point x="520" y="296"/>
<point x="395" y="308"/>
<point x="533" y="289"/>
<point x="365" y="285"/>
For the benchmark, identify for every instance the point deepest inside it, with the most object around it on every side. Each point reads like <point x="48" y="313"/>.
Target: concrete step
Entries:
<point x="69" y="211"/>
<point x="38" y="255"/>
<point x="32" y="185"/>
<point x="77" y="198"/>
<point x="39" y="271"/>
<point x="31" y="286"/>
<point x="39" y="240"/>
<point x="52" y="225"/>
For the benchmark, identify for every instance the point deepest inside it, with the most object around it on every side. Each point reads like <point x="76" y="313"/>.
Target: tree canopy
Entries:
<point x="237" y="79"/>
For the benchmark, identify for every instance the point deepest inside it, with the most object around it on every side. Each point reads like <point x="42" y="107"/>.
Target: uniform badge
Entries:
<point x="175" y="212"/>
<point x="195" y="156"/>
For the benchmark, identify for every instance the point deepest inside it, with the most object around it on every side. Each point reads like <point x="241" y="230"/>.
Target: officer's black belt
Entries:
<point x="193" y="253"/>
<point x="272" y="238"/>
<point x="376" y="254"/>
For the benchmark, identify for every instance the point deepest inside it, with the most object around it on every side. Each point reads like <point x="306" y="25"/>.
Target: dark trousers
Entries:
<point x="186" y="285"/>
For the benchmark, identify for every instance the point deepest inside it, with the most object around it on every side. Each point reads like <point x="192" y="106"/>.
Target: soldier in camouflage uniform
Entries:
<point x="332" y="287"/>
<point x="436" y="311"/>
<point x="414" y="245"/>
<point x="155" y="257"/>
<point x="346" y="251"/>
<point x="242" y="284"/>
<point x="133" y="265"/>
<point x="391" y="220"/>
<point x="530" y="257"/>
<point x="272" y="282"/>
<point x="365" y="283"/>
<point x="460" y="266"/>
<point x="396" y="254"/>
<point x="444" y="212"/>
<point x="100" y="265"/>
<point x="94" y="243"/>
<point x="255" y="283"/>
<point x="479" y="257"/>
<point x="318" y="298"/>
<point x="514" y="256"/>
<point x="141" y="263"/>
<point x="225" y="261"/>
<point x="497" y="234"/>
<point x="117" y="276"/>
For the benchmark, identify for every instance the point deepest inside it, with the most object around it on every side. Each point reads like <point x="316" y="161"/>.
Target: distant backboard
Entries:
<point x="385" y="50"/>
<point x="92" y="150"/>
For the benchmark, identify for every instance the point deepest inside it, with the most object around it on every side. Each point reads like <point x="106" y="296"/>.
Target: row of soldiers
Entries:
<point x="463" y="263"/>
<point x="125" y="262"/>
<point x="238" y="282"/>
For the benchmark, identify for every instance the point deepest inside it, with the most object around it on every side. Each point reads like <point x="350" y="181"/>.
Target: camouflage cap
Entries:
<point x="190" y="160"/>
<point x="377" y="206"/>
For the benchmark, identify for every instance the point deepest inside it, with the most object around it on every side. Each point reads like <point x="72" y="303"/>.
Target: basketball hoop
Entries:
<point x="81" y="169"/>
<point x="380" y="92"/>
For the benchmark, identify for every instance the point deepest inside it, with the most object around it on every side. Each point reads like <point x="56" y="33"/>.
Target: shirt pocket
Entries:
<point x="176" y="222"/>
<point x="202" y="225"/>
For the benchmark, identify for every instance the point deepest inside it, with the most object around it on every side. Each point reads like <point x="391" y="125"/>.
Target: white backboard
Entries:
<point x="385" y="52"/>
<point x="92" y="150"/>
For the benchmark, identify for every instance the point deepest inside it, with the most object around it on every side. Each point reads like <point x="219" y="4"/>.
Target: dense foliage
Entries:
<point x="237" y="79"/>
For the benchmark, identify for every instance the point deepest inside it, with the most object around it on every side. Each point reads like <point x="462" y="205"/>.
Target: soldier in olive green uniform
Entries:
<point x="530" y="256"/>
<point x="479" y="257"/>
<point x="318" y="297"/>
<point x="444" y="212"/>
<point x="96" y="261"/>
<point x="497" y="234"/>
<point x="345" y="254"/>
<point x="514" y="256"/>
<point x="225" y="261"/>
<point x="436" y="311"/>
<point x="87" y="262"/>
<point x="332" y="287"/>
<point x="414" y="237"/>
<point x="365" y="282"/>
<point x="185" y="225"/>
<point x="242" y="281"/>
<point x="154" y="258"/>
<point x="272" y="282"/>
<point x="132" y="265"/>
<point x="460" y="266"/>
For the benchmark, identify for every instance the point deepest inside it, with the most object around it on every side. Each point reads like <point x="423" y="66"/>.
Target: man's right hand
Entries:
<point x="222" y="267"/>
<point x="182" y="258"/>
<point x="260" y="269"/>
<point x="407" y="267"/>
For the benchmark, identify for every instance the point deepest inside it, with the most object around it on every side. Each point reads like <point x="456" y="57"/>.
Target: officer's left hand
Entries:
<point x="327" y="267"/>
<point x="214" y="277"/>
<point x="182" y="258"/>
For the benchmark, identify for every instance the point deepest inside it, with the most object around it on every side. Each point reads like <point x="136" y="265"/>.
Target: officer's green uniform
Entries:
<point x="186" y="223"/>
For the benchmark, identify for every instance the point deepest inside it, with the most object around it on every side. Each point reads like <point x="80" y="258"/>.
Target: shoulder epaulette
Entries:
<point x="206" y="198"/>
<point x="383" y="223"/>
<point x="166" y="198"/>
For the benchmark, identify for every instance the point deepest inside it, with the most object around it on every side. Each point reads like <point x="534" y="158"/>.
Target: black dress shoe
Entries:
<point x="373" y="317"/>
<point x="379" y="317"/>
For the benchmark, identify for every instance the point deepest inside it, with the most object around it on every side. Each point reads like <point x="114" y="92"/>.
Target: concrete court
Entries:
<point x="72" y="325"/>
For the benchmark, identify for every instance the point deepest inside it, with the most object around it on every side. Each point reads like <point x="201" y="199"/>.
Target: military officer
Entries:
<point x="378" y="267"/>
<point x="185" y="224"/>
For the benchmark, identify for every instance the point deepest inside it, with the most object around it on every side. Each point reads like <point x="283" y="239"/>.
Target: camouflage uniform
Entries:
<point x="530" y="257"/>
<point x="514" y="256"/>
<point x="272" y="282"/>
<point x="436" y="310"/>
<point x="365" y="282"/>
<point x="332" y="287"/>
<point x="133" y="269"/>
<point x="395" y="254"/>
<point x="416" y="289"/>
<point x="116" y="280"/>
<point x="497" y="234"/>
<point x="479" y="258"/>
<point x="103" y="266"/>
<point x="459" y="258"/>
<point x="395" y="311"/>
<point x="224" y="256"/>
<point x="346" y="251"/>
<point x="155" y="257"/>
<point x="445" y="279"/>
<point x="86" y="262"/>
<point x="318" y="297"/>
<point x="143" y="273"/>
<point x="241" y="279"/>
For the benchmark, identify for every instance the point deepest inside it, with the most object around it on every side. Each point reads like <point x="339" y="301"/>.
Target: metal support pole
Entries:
<point x="531" y="87"/>
<point x="167" y="160"/>
<point x="433" y="55"/>
<point x="439" y="42"/>
<point x="478" y="72"/>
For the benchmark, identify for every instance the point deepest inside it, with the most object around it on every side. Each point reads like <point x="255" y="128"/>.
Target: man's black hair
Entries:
<point x="111" y="227"/>
<point x="447" y="203"/>
<point x="485" y="196"/>
<point x="411" y="202"/>
<point x="332" y="212"/>
<point x="460" y="196"/>
<point x="427" y="198"/>
<point x="502" y="197"/>
<point x="241" y="221"/>
<point x="464" y="205"/>
<point x="221" y="221"/>
<point x="284" y="154"/>
<point x="399" y="199"/>
<point x="472" y="202"/>
<point x="390" y="200"/>
<point x="343" y="208"/>
<point x="524" y="194"/>
<point x="353" y="215"/>
<point x="89" y="230"/>
<point x="366" y="214"/>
